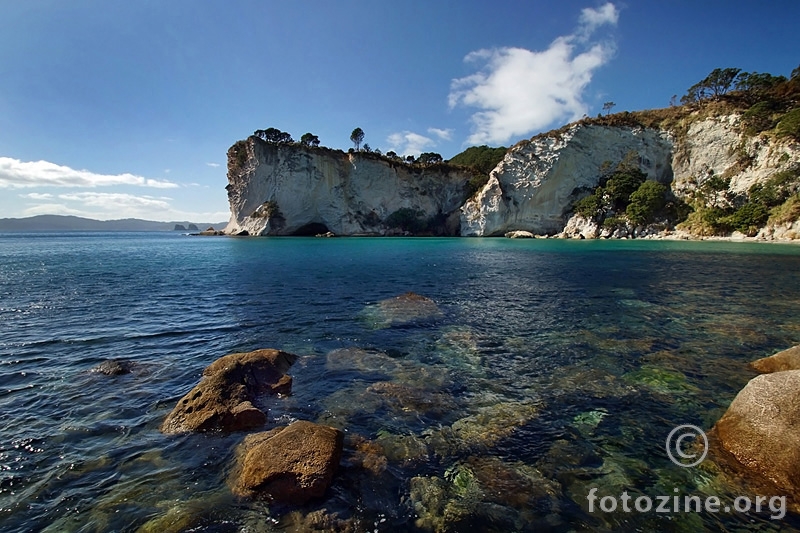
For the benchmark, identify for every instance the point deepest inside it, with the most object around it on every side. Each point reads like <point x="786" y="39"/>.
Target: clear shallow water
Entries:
<point x="565" y="363"/>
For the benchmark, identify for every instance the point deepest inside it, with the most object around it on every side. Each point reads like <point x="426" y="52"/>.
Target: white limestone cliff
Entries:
<point x="537" y="182"/>
<point x="535" y="185"/>
<point x="294" y="190"/>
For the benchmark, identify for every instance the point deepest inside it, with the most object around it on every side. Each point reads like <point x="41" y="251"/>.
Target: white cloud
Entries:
<point x="53" y="209"/>
<point x="108" y="206"/>
<point x="16" y="174"/>
<point x="37" y="196"/>
<point x="214" y="165"/>
<point x="591" y="19"/>
<point x="518" y="91"/>
<point x="444" y="135"/>
<point x="118" y="201"/>
<point x="409" y="143"/>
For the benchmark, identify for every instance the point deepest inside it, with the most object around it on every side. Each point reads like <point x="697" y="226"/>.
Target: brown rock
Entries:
<point x="291" y="464"/>
<point x="408" y="307"/>
<point x="785" y="360"/>
<point x="224" y="397"/>
<point x="761" y="428"/>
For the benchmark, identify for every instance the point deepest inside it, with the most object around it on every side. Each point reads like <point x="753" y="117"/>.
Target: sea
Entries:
<point x="547" y="368"/>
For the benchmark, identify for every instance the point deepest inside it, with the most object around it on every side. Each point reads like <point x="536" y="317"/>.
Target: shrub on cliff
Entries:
<point x="646" y="201"/>
<point x="789" y="125"/>
<point x="482" y="158"/>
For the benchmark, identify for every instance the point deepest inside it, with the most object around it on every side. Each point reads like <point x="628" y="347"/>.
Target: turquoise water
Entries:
<point x="552" y="367"/>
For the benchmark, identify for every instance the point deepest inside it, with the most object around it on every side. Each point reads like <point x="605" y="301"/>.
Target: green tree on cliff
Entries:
<point x="357" y="137"/>
<point x="429" y="158"/>
<point x="309" y="139"/>
<point x="274" y="135"/>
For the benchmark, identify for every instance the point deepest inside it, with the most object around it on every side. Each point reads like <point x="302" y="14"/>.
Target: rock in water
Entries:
<point x="761" y="429"/>
<point x="408" y="307"/>
<point x="785" y="360"/>
<point x="224" y="397"/>
<point x="114" y="367"/>
<point x="291" y="464"/>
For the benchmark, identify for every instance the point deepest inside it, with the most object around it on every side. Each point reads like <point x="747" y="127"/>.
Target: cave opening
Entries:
<point x="311" y="229"/>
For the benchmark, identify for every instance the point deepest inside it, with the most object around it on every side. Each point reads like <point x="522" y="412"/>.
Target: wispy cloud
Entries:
<point x="107" y="206"/>
<point x="118" y="201"/>
<point x="444" y="135"/>
<point x="53" y="209"/>
<point x="16" y="174"/>
<point x="214" y="165"/>
<point x="37" y="196"/>
<point x="411" y="143"/>
<point x="518" y="91"/>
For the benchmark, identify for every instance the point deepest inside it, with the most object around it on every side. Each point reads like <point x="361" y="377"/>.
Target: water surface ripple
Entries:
<point x="567" y="364"/>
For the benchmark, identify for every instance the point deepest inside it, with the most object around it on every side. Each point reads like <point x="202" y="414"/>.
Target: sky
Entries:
<point x="116" y="109"/>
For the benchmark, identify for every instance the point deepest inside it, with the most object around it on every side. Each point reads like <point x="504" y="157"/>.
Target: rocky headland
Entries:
<point x="712" y="168"/>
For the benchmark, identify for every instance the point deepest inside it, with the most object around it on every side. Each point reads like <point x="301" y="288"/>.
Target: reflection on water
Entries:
<point x="539" y="370"/>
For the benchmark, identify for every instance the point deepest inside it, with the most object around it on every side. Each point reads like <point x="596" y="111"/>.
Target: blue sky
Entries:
<point x="115" y="109"/>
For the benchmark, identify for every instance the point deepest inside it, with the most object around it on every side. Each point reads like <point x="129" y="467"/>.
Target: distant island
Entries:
<point x="72" y="223"/>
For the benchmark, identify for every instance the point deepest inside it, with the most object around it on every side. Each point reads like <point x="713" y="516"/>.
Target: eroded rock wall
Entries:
<point x="534" y="186"/>
<point x="290" y="190"/>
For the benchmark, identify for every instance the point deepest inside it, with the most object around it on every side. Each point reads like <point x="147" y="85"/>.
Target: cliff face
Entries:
<point x="537" y="183"/>
<point x="294" y="190"/>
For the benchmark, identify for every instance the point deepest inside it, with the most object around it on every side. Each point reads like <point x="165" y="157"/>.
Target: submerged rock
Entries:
<point x="760" y="429"/>
<point x="785" y="360"/>
<point x="400" y="310"/>
<point x="290" y="464"/>
<point x="365" y="361"/>
<point x="224" y="397"/>
<point x="484" y="490"/>
<point x="115" y="367"/>
<point x="404" y="398"/>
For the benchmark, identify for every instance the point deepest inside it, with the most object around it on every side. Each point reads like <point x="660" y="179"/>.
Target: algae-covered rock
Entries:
<point x="405" y="449"/>
<point x="661" y="380"/>
<point x="320" y="520"/>
<point x="401" y="310"/>
<point x="404" y="398"/>
<point x="366" y="361"/>
<point x="487" y="491"/>
<point x="494" y="423"/>
<point x="367" y="454"/>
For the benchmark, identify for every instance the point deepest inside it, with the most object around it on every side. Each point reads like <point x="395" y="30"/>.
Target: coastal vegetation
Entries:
<point x="626" y="195"/>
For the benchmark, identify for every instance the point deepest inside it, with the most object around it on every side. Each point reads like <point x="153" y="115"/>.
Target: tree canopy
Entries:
<point x="274" y="135"/>
<point x="357" y="137"/>
<point x="429" y="158"/>
<point x="717" y="83"/>
<point x="309" y="139"/>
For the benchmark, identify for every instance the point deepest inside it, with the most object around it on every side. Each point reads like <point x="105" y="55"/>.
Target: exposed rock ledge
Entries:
<point x="224" y="399"/>
<point x="288" y="464"/>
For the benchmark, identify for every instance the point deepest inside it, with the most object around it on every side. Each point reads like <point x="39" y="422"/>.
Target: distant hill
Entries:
<point x="72" y="223"/>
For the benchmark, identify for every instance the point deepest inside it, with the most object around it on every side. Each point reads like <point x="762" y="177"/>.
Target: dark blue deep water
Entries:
<point x="563" y="364"/>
